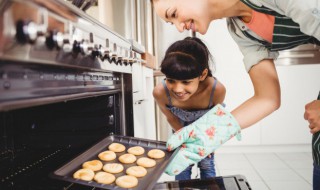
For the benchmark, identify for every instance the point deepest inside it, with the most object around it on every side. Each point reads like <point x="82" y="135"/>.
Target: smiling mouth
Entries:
<point x="180" y="95"/>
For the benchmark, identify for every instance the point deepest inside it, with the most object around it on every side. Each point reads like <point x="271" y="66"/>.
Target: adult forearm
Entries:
<point x="266" y="98"/>
<point x="253" y="110"/>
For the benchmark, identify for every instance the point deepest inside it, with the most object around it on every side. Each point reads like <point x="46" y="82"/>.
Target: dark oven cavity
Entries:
<point x="37" y="140"/>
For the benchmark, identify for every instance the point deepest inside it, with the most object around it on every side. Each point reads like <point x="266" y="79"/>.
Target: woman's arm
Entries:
<point x="266" y="98"/>
<point x="159" y="95"/>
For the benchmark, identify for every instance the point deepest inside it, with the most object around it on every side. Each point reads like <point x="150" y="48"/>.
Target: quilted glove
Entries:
<point x="201" y="138"/>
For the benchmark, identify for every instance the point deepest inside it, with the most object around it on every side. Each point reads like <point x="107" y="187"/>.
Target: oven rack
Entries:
<point x="29" y="168"/>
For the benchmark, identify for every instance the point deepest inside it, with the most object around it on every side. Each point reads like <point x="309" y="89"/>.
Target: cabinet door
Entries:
<point x="137" y="82"/>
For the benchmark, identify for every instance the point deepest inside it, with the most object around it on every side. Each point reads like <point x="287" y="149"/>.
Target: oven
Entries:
<point x="65" y="84"/>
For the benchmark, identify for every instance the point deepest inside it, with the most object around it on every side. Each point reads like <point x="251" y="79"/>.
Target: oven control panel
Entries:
<point x="56" y="32"/>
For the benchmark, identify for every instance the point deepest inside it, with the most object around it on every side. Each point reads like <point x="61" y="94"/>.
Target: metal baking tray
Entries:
<point x="145" y="183"/>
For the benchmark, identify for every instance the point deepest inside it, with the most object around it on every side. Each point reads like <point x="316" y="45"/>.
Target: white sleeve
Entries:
<point x="253" y="52"/>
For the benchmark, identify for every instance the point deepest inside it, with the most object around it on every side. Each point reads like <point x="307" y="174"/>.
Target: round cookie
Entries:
<point x="104" y="177"/>
<point x="94" y="165"/>
<point x="136" y="171"/>
<point x="146" y="162"/>
<point x="136" y="150"/>
<point x="113" y="168"/>
<point x="127" y="158"/>
<point x="117" y="147"/>
<point x="84" y="174"/>
<point x="156" y="153"/>
<point x="107" y="155"/>
<point x="127" y="181"/>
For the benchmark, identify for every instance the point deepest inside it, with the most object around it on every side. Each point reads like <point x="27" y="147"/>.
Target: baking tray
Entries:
<point x="66" y="172"/>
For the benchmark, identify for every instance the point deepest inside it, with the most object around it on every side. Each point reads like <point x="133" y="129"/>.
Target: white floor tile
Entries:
<point x="269" y="164"/>
<point x="250" y="175"/>
<point x="300" y="164"/>
<point x="293" y="156"/>
<point x="259" y="185"/>
<point x="233" y="165"/>
<point x="261" y="156"/>
<point x="230" y="157"/>
<point x="279" y="175"/>
<point x="290" y="185"/>
<point x="306" y="174"/>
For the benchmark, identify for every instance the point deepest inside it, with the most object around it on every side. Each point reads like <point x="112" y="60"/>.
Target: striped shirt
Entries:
<point x="286" y="32"/>
<point x="296" y="22"/>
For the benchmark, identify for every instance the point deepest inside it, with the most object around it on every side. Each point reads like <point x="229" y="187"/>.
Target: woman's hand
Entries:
<point x="312" y="115"/>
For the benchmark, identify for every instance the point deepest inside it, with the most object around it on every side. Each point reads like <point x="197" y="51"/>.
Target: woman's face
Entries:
<point x="184" y="14"/>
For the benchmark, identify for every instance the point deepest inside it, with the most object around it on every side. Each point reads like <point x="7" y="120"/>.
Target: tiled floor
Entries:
<point x="279" y="170"/>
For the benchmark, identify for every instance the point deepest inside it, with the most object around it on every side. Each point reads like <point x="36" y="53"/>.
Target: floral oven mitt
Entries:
<point x="201" y="138"/>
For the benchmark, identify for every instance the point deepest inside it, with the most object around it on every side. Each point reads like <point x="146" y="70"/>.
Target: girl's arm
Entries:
<point x="161" y="98"/>
<point x="266" y="98"/>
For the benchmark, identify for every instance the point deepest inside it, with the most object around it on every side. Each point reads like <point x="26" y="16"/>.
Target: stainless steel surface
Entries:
<point x="52" y="48"/>
<point x="55" y="32"/>
<point x="303" y="54"/>
<point x="23" y="82"/>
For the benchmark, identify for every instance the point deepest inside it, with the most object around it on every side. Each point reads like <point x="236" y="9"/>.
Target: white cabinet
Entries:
<point x="143" y="102"/>
<point x="137" y="82"/>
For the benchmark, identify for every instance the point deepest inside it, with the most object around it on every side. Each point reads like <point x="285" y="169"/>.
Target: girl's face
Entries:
<point x="184" y="14"/>
<point x="182" y="90"/>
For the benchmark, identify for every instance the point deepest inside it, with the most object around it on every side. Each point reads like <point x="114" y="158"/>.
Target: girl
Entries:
<point x="188" y="91"/>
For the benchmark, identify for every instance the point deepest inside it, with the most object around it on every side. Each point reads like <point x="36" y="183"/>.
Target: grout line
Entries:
<point x="293" y="169"/>
<point x="254" y="168"/>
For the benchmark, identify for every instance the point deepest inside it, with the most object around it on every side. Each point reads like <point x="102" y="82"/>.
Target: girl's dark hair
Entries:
<point x="186" y="59"/>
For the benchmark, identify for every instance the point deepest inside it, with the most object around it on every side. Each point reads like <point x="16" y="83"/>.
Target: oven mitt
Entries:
<point x="201" y="138"/>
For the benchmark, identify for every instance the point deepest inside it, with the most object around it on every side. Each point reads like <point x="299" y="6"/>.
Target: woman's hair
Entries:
<point x="186" y="59"/>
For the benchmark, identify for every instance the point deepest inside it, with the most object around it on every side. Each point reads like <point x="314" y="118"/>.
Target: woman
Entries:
<point x="260" y="28"/>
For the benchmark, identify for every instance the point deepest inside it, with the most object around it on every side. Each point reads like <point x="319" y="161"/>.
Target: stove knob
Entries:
<point x="86" y="48"/>
<point x="113" y="59"/>
<point x="54" y="39"/>
<point x="76" y="47"/>
<point x="26" y="31"/>
<point x="119" y="61"/>
<point x="97" y="51"/>
<point x="132" y="58"/>
<point x="106" y="56"/>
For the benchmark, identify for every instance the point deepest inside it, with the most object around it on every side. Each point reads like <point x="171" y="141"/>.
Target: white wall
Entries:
<point x="300" y="84"/>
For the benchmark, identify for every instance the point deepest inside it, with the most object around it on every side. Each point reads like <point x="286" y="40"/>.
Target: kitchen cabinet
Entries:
<point x="144" y="107"/>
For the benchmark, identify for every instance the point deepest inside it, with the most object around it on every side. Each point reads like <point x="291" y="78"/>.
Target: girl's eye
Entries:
<point x="186" y="82"/>
<point x="170" y="81"/>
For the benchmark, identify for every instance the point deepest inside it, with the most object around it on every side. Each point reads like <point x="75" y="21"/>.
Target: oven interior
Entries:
<point x="37" y="140"/>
